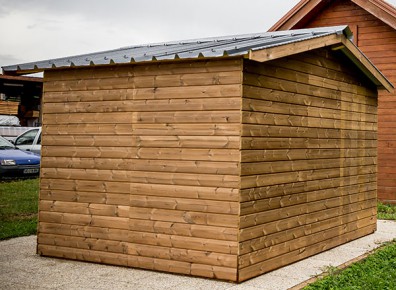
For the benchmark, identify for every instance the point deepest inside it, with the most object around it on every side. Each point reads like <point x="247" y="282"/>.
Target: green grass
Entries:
<point x="18" y="208"/>
<point x="386" y="211"/>
<point x="378" y="271"/>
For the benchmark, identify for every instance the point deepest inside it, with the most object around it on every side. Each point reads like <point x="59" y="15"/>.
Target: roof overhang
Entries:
<point x="335" y="42"/>
<point x="259" y="47"/>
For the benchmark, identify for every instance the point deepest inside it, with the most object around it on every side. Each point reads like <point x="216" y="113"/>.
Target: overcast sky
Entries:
<point x="32" y="30"/>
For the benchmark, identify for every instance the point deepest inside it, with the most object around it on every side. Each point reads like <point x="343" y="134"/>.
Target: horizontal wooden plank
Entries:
<point x="101" y="176"/>
<point x="259" y="75"/>
<point x="284" y="70"/>
<point x="73" y="242"/>
<point x="87" y="186"/>
<point x="319" y="210"/>
<point x="270" y="167"/>
<point x="266" y="106"/>
<point x="310" y="155"/>
<point x="305" y="89"/>
<point x="185" y="268"/>
<point x="250" y="130"/>
<point x="301" y="242"/>
<point x="314" y="64"/>
<point x="260" y="143"/>
<point x="182" y="242"/>
<point x="112" y="234"/>
<point x="81" y="196"/>
<point x="142" y="81"/>
<point x="208" y="142"/>
<point x="287" y="200"/>
<point x="208" y="104"/>
<point x="267" y="241"/>
<point x="202" y="167"/>
<point x="148" y="69"/>
<point x="144" y="117"/>
<point x="184" y="204"/>
<point x="277" y="96"/>
<point x="184" y="255"/>
<point x="184" y="229"/>
<point x="373" y="41"/>
<point x="191" y="192"/>
<point x="185" y="217"/>
<point x="84" y="208"/>
<point x="83" y="255"/>
<point x="168" y="253"/>
<point x="193" y="92"/>
<point x="295" y="176"/>
<point x="220" y="155"/>
<point x="84" y="220"/>
<point x="144" y="129"/>
<point x="9" y="108"/>
<point x="310" y="122"/>
<point x="257" y="193"/>
<point x="294" y="256"/>
<point x="303" y="218"/>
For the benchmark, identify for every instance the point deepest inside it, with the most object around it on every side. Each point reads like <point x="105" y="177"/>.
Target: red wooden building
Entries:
<point x="373" y="23"/>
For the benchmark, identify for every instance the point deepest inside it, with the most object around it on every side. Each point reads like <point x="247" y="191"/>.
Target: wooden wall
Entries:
<point x="224" y="169"/>
<point x="308" y="171"/>
<point x="378" y="41"/>
<point x="9" y="108"/>
<point x="140" y="166"/>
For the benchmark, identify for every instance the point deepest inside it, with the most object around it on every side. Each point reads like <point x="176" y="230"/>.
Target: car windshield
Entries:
<point x="4" y="144"/>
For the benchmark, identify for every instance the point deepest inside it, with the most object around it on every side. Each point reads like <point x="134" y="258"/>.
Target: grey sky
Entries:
<point x="34" y="30"/>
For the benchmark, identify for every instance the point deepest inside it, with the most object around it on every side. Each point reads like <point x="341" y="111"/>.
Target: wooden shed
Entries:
<point x="373" y="23"/>
<point x="223" y="157"/>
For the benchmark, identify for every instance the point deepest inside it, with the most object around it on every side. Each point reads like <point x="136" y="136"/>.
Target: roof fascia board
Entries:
<point x="295" y="15"/>
<point x="178" y="60"/>
<point x="294" y="48"/>
<point x="378" y="8"/>
<point x="365" y="65"/>
<point x="333" y="40"/>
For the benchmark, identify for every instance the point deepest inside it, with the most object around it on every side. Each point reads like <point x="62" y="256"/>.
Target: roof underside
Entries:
<point x="236" y="45"/>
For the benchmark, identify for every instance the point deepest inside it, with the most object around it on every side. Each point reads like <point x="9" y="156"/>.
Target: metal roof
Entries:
<point x="235" y="45"/>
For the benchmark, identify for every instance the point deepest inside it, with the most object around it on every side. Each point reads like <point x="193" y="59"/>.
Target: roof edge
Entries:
<point x="379" y="8"/>
<point x="297" y="13"/>
<point x="365" y="65"/>
<point x="340" y="42"/>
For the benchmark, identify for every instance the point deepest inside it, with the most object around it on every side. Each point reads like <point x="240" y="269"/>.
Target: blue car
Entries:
<point x="17" y="163"/>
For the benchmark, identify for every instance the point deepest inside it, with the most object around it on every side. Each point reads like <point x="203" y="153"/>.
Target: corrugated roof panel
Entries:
<point x="187" y="49"/>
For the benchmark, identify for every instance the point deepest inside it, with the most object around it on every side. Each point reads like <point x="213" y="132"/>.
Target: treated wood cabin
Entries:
<point x="373" y="23"/>
<point x="223" y="158"/>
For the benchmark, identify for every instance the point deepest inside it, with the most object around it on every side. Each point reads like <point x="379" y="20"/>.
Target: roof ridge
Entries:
<point x="302" y="9"/>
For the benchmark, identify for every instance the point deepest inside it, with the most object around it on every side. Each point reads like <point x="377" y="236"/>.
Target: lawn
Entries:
<point x="18" y="208"/>
<point x="378" y="271"/>
<point x="386" y="212"/>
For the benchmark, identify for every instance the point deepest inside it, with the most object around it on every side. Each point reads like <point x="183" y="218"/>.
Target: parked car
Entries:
<point x="17" y="163"/>
<point x="29" y="140"/>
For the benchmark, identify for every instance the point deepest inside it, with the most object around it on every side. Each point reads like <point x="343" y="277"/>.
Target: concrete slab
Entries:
<point x="21" y="268"/>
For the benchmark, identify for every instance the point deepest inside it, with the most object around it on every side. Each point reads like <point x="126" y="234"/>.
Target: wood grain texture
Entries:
<point x="308" y="166"/>
<point x="377" y="40"/>
<point x="223" y="169"/>
<point x="142" y="163"/>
